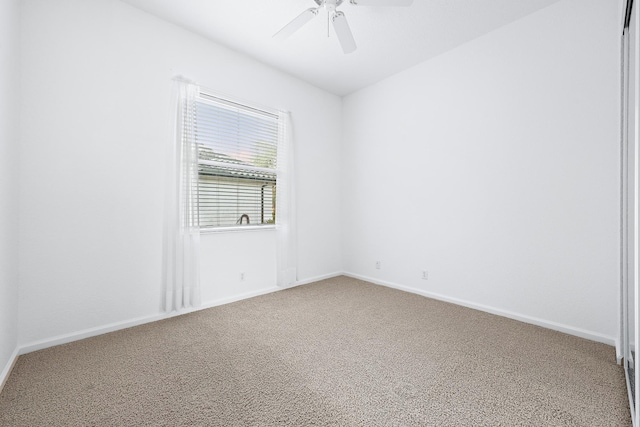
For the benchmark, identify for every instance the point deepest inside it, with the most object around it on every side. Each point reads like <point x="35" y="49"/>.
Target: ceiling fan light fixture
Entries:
<point x="338" y="19"/>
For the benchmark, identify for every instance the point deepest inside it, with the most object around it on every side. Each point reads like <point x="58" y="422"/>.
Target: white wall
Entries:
<point x="495" y="167"/>
<point x="96" y="94"/>
<point x="9" y="60"/>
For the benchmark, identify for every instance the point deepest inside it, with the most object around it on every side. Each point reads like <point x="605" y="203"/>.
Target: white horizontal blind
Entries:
<point x="237" y="156"/>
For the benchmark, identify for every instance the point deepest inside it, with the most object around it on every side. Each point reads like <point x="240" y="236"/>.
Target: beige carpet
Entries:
<point x="340" y="352"/>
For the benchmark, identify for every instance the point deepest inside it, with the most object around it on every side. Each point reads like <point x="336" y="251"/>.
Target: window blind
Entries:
<point x="237" y="159"/>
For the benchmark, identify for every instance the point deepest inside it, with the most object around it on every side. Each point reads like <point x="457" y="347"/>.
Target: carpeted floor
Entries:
<point x="340" y="352"/>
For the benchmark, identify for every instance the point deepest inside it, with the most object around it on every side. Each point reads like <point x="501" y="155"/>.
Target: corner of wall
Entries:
<point x="9" y="188"/>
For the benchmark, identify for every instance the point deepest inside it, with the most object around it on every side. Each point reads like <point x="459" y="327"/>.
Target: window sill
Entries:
<point x="237" y="229"/>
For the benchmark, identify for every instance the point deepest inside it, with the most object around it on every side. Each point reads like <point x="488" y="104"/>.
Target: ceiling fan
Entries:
<point x="336" y="17"/>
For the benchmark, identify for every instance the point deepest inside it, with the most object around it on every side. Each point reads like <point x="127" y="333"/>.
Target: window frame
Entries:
<point x="216" y="98"/>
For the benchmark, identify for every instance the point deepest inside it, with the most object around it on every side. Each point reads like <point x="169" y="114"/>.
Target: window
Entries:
<point x="237" y="154"/>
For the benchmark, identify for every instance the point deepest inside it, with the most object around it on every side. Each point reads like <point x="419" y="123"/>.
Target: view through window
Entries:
<point x="237" y="155"/>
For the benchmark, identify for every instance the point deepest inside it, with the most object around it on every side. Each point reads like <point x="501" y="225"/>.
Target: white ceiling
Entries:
<point x="389" y="39"/>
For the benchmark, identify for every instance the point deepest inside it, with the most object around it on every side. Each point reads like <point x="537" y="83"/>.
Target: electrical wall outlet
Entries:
<point x="377" y="265"/>
<point x="242" y="277"/>
<point x="425" y="275"/>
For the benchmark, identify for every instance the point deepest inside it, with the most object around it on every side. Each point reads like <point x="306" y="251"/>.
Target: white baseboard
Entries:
<point x="228" y="300"/>
<point x="92" y="332"/>
<point x="4" y="376"/>
<point x="86" y="333"/>
<point x="311" y="280"/>
<point x="571" y="330"/>
<point x="318" y="278"/>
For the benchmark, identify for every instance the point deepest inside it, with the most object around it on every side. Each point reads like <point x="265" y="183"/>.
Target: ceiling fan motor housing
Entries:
<point x="338" y="19"/>
<point x="329" y="4"/>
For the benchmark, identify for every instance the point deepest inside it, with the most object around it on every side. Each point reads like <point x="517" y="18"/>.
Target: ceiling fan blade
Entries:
<point x="343" y="32"/>
<point x="296" y="24"/>
<point x="382" y="2"/>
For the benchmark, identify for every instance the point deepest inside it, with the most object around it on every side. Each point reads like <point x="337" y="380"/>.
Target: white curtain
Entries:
<point x="285" y="205"/>
<point x="182" y="233"/>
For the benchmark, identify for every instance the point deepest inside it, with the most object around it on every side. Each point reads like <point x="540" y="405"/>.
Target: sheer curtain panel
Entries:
<point x="182" y="234"/>
<point x="285" y="205"/>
